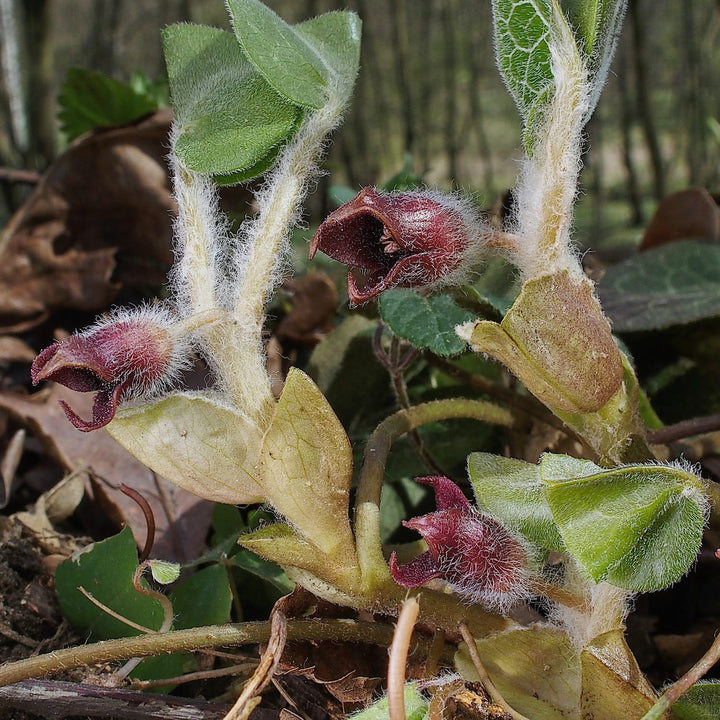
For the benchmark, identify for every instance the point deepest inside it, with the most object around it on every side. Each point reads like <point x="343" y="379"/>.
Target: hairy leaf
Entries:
<point x="700" y="702"/>
<point x="511" y="491"/>
<point x="304" y="63"/>
<point x="229" y="117"/>
<point x="638" y="527"/>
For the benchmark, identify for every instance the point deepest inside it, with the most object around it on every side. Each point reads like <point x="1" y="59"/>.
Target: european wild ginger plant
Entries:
<point x="538" y="570"/>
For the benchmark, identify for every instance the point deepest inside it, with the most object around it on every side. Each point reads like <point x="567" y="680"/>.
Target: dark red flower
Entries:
<point x="473" y="553"/>
<point x="407" y="239"/>
<point x="114" y="360"/>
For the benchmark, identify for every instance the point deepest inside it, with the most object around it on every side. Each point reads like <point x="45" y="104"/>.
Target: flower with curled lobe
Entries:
<point x="404" y="239"/>
<point x="118" y="358"/>
<point x="474" y="554"/>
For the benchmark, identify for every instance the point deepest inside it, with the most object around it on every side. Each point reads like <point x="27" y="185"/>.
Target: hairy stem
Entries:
<point x="367" y="505"/>
<point x="189" y="641"/>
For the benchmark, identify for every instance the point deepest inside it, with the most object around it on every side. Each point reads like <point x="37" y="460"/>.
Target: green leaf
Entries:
<point x="670" y="285"/>
<point x="229" y="118"/>
<point x="425" y="322"/>
<point x="164" y="572"/>
<point x="264" y="569"/>
<point x="511" y="491"/>
<point x="203" y="598"/>
<point x="90" y="99"/>
<point x="105" y="570"/>
<point x="416" y="706"/>
<point x="700" y="702"/>
<point x="522" y="33"/>
<point x="304" y="63"/>
<point x="651" y="517"/>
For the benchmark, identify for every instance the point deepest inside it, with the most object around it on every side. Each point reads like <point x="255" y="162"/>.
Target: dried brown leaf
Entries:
<point x="98" y="219"/>
<point x="181" y="519"/>
<point x="683" y="215"/>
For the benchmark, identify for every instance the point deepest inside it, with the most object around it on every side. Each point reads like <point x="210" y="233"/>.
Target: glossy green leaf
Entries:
<point x="700" y="702"/>
<point x="197" y="443"/>
<point x="511" y="491"/>
<point x="229" y="118"/>
<point x="638" y="527"/>
<point x="306" y="62"/>
<point x="105" y="569"/>
<point x="425" y="322"/>
<point x="90" y="100"/>
<point x="264" y="569"/>
<point x="674" y="284"/>
<point x="203" y="598"/>
<point x="416" y="706"/>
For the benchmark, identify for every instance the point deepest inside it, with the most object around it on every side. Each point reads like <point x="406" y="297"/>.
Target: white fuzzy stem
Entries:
<point x="548" y="183"/>
<point x="264" y="249"/>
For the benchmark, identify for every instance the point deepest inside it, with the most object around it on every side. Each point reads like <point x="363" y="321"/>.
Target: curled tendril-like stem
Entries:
<point x="149" y="519"/>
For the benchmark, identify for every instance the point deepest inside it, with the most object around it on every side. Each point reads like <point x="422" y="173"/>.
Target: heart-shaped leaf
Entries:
<point x="105" y="570"/>
<point x="229" y="118"/>
<point x="425" y="322"/>
<point x="670" y="285"/>
<point x="638" y="527"/>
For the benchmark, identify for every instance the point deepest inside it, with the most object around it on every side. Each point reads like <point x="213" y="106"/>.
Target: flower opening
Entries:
<point x="116" y="359"/>
<point x="406" y="239"/>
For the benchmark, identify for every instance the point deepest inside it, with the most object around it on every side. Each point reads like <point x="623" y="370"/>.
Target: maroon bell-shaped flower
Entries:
<point x="475" y="555"/>
<point x="115" y="359"/>
<point x="405" y="239"/>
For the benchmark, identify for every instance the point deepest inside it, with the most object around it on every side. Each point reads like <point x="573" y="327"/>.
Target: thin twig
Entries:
<point x="112" y="613"/>
<point x="10" y="176"/>
<point x="249" y="697"/>
<point x="398" y="658"/>
<point x="683" y="429"/>
<point x="191" y="677"/>
<point x="493" y="692"/>
<point x="679" y="688"/>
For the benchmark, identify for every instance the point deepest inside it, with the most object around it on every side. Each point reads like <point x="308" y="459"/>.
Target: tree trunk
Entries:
<point x="643" y="99"/>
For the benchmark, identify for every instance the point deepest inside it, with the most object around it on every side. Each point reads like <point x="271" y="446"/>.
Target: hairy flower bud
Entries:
<point x="470" y="551"/>
<point x="117" y="358"/>
<point x="406" y="239"/>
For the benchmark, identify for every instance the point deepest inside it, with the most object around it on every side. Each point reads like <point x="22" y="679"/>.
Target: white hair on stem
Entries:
<point x="548" y="181"/>
<point x="217" y="271"/>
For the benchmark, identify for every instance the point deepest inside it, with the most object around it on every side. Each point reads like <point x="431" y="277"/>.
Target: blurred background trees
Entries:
<point x="428" y="94"/>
